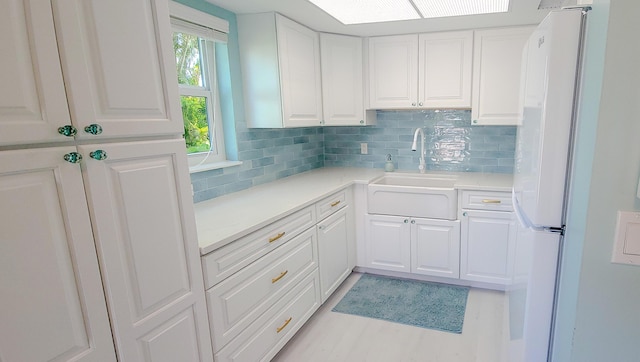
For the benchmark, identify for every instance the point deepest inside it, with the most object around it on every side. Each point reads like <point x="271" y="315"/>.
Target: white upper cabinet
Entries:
<point x="115" y="57"/>
<point x="112" y="56"/>
<point x="393" y="71"/>
<point x="341" y="59"/>
<point x="444" y="69"/>
<point x="280" y="62"/>
<point x="423" y="71"/>
<point x="498" y="55"/>
<point x="33" y="103"/>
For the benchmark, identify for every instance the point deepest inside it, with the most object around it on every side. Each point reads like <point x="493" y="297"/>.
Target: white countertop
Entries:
<point x="229" y="217"/>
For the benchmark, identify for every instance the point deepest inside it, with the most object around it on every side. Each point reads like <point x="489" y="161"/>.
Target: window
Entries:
<point x="195" y="36"/>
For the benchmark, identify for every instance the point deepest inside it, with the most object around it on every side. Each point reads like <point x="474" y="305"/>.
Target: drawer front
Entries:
<point x="262" y="340"/>
<point x="331" y="204"/>
<point x="237" y="301"/>
<point x="487" y="200"/>
<point x="229" y="259"/>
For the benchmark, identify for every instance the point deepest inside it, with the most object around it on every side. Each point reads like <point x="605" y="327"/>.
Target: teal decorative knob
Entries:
<point x="94" y="129"/>
<point x="73" y="157"/>
<point x="67" y="130"/>
<point x="98" y="155"/>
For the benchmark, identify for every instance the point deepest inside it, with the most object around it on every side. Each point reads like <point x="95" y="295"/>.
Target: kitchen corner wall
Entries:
<point x="452" y="143"/>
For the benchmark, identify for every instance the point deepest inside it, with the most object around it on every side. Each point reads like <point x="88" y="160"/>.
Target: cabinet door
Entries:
<point x="342" y="87"/>
<point x="444" y="69"/>
<point x="497" y="62"/>
<point x="140" y="203"/>
<point x="393" y="71"/>
<point x="487" y="246"/>
<point x="53" y="306"/>
<point x="33" y="103"/>
<point x="435" y="247"/>
<point x="333" y="251"/>
<point x="388" y="243"/>
<point x="299" y="57"/>
<point x="118" y="66"/>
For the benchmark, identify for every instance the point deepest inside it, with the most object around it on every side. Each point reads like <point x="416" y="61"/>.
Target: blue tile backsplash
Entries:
<point x="452" y="144"/>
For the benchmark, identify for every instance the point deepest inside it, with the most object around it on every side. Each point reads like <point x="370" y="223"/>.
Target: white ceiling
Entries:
<point x="520" y="12"/>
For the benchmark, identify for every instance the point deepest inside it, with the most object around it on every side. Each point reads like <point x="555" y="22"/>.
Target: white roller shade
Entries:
<point x="201" y="31"/>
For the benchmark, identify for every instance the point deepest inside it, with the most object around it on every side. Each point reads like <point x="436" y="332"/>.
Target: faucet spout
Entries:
<point x="414" y="147"/>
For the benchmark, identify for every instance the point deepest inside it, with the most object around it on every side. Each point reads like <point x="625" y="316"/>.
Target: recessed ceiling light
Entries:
<point x="442" y="8"/>
<point x="374" y="11"/>
<point x="368" y="11"/>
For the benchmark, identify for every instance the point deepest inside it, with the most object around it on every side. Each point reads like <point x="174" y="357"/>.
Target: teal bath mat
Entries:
<point x="416" y="303"/>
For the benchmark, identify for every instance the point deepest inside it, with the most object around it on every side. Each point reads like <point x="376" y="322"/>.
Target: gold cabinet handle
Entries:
<point x="488" y="201"/>
<point x="271" y="240"/>
<point x="335" y="203"/>
<point x="279" y="276"/>
<point x="279" y="329"/>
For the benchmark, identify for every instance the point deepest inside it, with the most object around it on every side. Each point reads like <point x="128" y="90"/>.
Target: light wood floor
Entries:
<point x="331" y="336"/>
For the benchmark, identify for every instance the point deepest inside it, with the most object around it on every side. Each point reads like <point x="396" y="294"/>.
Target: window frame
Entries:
<point x="216" y="158"/>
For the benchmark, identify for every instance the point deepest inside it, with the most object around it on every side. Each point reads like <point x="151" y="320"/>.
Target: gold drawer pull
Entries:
<point x="487" y="201"/>
<point x="279" y="329"/>
<point x="335" y="203"/>
<point x="279" y="276"/>
<point x="271" y="240"/>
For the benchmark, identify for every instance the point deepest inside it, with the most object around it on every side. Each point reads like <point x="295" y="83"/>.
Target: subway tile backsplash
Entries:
<point x="452" y="144"/>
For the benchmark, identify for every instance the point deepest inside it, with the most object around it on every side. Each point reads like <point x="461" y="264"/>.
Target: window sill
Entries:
<point x="214" y="166"/>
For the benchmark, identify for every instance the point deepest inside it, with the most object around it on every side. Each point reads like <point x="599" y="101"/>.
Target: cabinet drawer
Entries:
<point x="331" y="204"/>
<point x="237" y="301"/>
<point x="262" y="340"/>
<point x="229" y="259"/>
<point x="487" y="200"/>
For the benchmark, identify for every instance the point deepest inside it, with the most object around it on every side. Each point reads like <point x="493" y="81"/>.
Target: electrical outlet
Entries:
<point x="364" y="149"/>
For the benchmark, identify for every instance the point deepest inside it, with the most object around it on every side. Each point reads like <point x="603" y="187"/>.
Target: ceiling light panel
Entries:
<point x="368" y="11"/>
<point x="442" y="8"/>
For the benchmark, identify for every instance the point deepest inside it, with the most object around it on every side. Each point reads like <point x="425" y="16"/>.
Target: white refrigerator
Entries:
<point x="549" y="96"/>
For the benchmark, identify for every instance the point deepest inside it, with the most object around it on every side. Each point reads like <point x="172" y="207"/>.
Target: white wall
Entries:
<point x="599" y="311"/>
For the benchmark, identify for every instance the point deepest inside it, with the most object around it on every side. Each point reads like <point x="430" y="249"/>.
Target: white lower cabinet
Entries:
<point x="264" y="286"/>
<point x="413" y="245"/>
<point x="273" y="329"/>
<point x="237" y="301"/>
<point x="334" y="242"/>
<point x="388" y="243"/>
<point x="487" y="243"/>
<point x="435" y="247"/>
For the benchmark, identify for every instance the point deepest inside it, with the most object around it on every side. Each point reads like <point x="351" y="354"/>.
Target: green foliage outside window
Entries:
<point x="194" y="109"/>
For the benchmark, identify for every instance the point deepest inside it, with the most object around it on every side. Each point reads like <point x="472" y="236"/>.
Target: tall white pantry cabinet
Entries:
<point x="98" y="257"/>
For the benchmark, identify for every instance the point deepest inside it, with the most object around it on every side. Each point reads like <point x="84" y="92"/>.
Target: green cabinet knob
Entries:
<point x="94" y="129"/>
<point x="67" y="130"/>
<point x="98" y="155"/>
<point x="73" y="157"/>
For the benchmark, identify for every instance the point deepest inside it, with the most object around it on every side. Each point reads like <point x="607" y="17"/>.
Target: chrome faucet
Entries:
<point x="422" y="167"/>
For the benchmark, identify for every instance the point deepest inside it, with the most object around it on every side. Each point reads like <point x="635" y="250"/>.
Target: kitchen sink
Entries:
<point x="428" y="196"/>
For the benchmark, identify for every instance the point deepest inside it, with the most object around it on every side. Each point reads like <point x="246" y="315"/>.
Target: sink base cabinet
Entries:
<point x="435" y="247"/>
<point x="388" y="243"/>
<point x="413" y="245"/>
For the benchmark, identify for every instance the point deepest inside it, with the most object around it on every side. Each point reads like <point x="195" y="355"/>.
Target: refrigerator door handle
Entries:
<point x="521" y="216"/>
